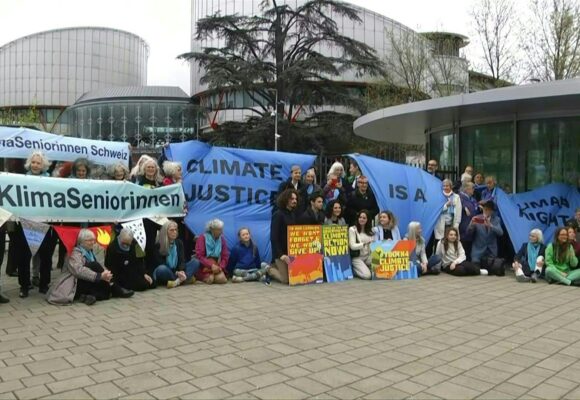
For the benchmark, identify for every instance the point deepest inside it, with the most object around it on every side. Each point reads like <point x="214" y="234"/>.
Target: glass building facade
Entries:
<point x="522" y="155"/>
<point x="51" y="70"/>
<point x="145" y="117"/>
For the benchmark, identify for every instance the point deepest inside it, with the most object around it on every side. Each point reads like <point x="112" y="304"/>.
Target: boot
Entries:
<point x="118" y="291"/>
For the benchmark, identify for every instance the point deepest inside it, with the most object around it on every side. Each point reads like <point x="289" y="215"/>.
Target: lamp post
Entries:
<point x="275" y="115"/>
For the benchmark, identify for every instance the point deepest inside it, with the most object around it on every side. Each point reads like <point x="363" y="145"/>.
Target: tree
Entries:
<point x="552" y="40"/>
<point x="408" y="61"/>
<point x="283" y="54"/>
<point x="493" y="24"/>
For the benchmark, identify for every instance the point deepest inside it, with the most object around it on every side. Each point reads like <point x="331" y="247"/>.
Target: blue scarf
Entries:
<point x="171" y="259"/>
<point x="310" y="189"/>
<point x="213" y="247"/>
<point x="88" y="255"/>
<point x="533" y="251"/>
<point x="41" y="174"/>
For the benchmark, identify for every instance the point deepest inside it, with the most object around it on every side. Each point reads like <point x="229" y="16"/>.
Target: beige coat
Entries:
<point x="63" y="291"/>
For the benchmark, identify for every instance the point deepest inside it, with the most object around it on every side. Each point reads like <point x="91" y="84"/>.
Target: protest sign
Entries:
<point x="391" y="259"/>
<point x="337" y="263"/>
<point x="304" y="249"/>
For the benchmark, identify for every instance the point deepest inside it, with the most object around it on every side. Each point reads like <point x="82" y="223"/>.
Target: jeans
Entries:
<point x="163" y="274"/>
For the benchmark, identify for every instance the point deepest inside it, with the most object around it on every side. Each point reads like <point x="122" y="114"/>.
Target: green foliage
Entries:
<point x="25" y="117"/>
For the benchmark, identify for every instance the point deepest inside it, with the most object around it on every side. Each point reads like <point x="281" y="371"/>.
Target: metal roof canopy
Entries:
<point x="133" y="92"/>
<point x="407" y="123"/>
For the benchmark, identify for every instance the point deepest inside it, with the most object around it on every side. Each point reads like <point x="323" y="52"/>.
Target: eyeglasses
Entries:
<point x="431" y="165"/>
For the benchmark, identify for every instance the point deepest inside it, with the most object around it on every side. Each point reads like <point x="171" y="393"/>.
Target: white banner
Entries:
<point x="20" y="142"/>
<point x="138" y="230"/>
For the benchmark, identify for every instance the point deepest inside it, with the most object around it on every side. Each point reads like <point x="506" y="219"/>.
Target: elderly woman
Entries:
<point x="528" y="263"/>
<point x="212" y="252"/>
<point x="424" y="266"/>
<point x="83" y="278"/>
<point x="118" y="172"/>
<point x="450" y="215"/>
<point x="121" y="259"/>
<point x="308" y="188"/>
<point x="173" y="173"/>
<point x="171" y="269"/>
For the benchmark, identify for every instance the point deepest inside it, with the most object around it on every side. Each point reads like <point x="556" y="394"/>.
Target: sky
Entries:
<point x="165" y="24"/>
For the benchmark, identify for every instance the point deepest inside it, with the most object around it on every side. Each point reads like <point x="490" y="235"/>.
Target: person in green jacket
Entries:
<point x="561" y="260"/>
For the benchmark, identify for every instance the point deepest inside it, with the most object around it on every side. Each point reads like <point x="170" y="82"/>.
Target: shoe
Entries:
<point x="119" y="291"/>
<point x="89" y="300"/>
<point x="43" y="290"/>
<point x="4" y="300"/>
<point x="171" y="284"/>
<point x="575" y="282"/>
<point x="237" y="279"/>
<point x="13" y="274"/>
<point x="534" y="278"/>
<point x="35" y="281"/>
<point x="501" y="270"/>
<point x="23" y="293"/>
<point x="522" y="278"/>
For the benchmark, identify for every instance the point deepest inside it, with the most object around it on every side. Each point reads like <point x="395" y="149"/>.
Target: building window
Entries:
<point x="442" y="149"/>
<point x="489" y="149"/>
<point x="548" y="152"/>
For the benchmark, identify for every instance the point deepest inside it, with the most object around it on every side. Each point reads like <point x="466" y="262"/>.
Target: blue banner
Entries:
<point x="83" y="200"/>
<point x="237" y="186"/>
<point x="20" y="142"/>
<point x="545" y="208"/>
<point x="409" y="192"/>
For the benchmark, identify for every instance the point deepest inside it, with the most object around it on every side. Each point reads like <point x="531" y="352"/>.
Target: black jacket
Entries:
<point x="522" y="255"/>
<point x="279" y="231"/>
<point x="126" y="268"/>
<point x="358" y="202"/>
<point x="308" y="217"/>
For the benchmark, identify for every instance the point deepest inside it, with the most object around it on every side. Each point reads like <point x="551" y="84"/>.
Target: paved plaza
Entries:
<point x="437" y="337"/>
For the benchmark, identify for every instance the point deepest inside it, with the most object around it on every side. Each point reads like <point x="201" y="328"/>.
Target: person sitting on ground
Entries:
<point x="121" y="259"/>
<point x="173" y="173"/>
<point x="118" y="172"/>
<point x="361" y="199"/>
<point x="561" y="262"/>
<point x="572" y="235"/>
<point x="528" y="263"/>
<point x="453" y="260"/>
<point x="424" y="266"/>
<point x="574" y="222"/>
<point x="287" y="202"/>
<point x="334" y="214"/>
<point x="245" y="264"/>
<point x="83" y="278"/>
<point x="387" y="228"/>
<point x="171" y="269"/>
<point x="314" y="215"/>
<point x="212" y="252"/>
<point x="486" y="230"/>
<point x="360" y="237"/>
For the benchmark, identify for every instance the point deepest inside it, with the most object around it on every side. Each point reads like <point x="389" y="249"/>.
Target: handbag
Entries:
<point x="355" y="253"/>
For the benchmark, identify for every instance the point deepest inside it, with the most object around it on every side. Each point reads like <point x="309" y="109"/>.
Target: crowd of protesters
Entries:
<point x="464" y="242"/>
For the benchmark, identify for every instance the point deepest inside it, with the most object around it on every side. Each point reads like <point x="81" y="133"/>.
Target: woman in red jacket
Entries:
<point x="212" y="252"/>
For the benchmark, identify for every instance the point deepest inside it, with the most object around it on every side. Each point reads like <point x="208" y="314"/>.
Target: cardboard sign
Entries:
<point x="392" y="259"/>
<point x="304" y="249"/>
<point x="337" y="263"/>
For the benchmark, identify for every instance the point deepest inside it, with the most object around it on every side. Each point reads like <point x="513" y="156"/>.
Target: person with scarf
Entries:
<point x="309" y="186"/>
<point x="36" y="165"/>
<point x="424" y="266"/>
<point x="528" y="263"/>
<point x="450" y="216"/>
<point x="561" y="262"/>
<point x="83" y="278"/>
<point x="244" y="263"/>
<point x="212" y="252"/>
<point x="121" y="259"/>
<point x="171" y="269"/>
<point x="387" y="228"/>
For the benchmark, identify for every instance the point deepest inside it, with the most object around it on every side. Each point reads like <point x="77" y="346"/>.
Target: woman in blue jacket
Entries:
<point x="244" y="263"/>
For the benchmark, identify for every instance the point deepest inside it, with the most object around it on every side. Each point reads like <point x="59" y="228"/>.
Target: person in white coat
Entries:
<point x="450" y="216"/>
<point x="360" y="237"/>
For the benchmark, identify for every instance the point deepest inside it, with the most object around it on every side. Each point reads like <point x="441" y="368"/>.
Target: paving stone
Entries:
<point x="448" y="390"/>
<point x="280" y="391"/>
<point x="140" y="383"/>
<point x="70" y="384"/>
<point x="15" y="372"/>
<point x="177" y="390"/>
<point x="105" y="390"/>
<point x="238" y="387"/>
